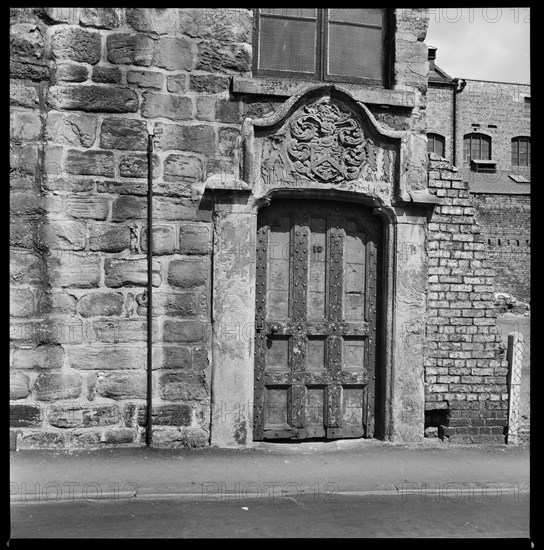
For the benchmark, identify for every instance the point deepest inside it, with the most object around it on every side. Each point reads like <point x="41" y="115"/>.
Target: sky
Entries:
<point x="481" y="43"/>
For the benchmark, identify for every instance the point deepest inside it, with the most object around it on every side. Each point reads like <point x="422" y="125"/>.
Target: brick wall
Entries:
<point x="87" y="87"/>
<point x="440" y="115"/>
<point x="465" y="367"/>
<point x="505" y="221"/>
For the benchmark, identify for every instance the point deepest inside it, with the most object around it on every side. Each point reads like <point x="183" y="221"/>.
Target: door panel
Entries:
<point x="315" y="320"/>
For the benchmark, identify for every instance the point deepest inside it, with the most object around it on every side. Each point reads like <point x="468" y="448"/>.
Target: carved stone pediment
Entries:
<point x="324" y="142"/>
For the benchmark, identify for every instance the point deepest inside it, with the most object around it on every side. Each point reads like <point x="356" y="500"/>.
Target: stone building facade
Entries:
<point x="88" y="87"/>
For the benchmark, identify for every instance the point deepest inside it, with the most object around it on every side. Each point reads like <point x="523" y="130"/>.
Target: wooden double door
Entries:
<point x="317" y="290"/>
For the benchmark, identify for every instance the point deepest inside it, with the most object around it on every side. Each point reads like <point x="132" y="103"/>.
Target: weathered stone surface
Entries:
<point x="184" y="168"/>
<point x="173" y="414"/>
<point x="125" y="187"/>
<point x="130" y="49"/>
<point x="122" y="386"/>
<point x="229" y="142"/>
<point x="167" y="105"/>
<point x="54" y="386"/>
<point x="170" y="437"/>
<point x="209" y="83"/>
<point x="26" y="204"/>
<point x="187" y="273"/>
<point x="177" y="83"/>
<point x="77" y="270"/>
<point x="176" y="209"/>
<point x="90" y="207"/>
<point x="18" y="385"/>
<point x="107" y="75"/>
<point x="74" y="415"/>
<point x="24" y="232"/>
<point x="175" y="54"/>
<point x="26" y="40"/>
<point x="182" y="387"/>
<point x="136" y="165"/>
<point x="21" y="302"/>
<point x="127" y="207"/>
<point x="67" y="235"/>
<point x="23" y="415"/>
<point x="27" y="69"/>
<point x="129" y="410"/>
<point x="194" y="239"/>
<point x="70" y="129"/>
<point x="129" y="272"/>
<point x="42" y="357"/>
<point x="37" y="440"/>
<point x="120" y="436"/>
<point x="94" y="98"/>
<point x="146" y="79"/>
<point x="59" y="15"/>
<point x="94" y="163"/>
<point x="60" y="303"/>
<point x="97" y="303"/>
<point x="227" y="111"/>
<point x="22" y="94"/>
<point x="176" y="357"/>
<point x="107" y="237"/>
<point x="101" y="357"/>
<point x="185" y="331"/>
<point x="153" y="20"/>
<point x="102" y="18"/>
<point x="200" y="360"/>
<point x="76" y="44"/>
<point x="122" y="133"/>
<point x="163" y="240"/>
<point x="174" y="304"/>
<point x="214" y="56"/>
<point x="224" y="24"/>
<point x="70" y="72"/>
<point x="24" y="268"/>
<point x="23" y="158"/>
<point x="25" y="126"/>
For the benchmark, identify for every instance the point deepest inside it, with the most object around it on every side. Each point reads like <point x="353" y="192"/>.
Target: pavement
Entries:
<point x="348" y="467"/>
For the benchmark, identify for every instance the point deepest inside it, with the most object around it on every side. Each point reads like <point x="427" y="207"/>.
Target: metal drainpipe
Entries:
<point x="149" y="394"/>
<point x="459" y="86"/>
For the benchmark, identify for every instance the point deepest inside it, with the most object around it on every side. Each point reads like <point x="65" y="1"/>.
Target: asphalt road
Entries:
<point x="306" y="516"/>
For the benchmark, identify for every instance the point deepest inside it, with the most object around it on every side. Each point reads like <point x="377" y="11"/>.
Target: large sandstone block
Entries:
<point x="129" y="207"/>
<point x="26" y="40"/>
<point x="74" y="415"/>
<point x="90" y="163"/>
<point x="102" y="18"/>
<point x="176" y="357"/>
<point x="106" y="75"/>
<point x="182" y="387"/>
<point x="122" y="386"/>
<point x="146" y="79"/>
<point x="136" y="165"/>
<point x="175" y="54"/>
<point x="93" y="98"/>
<point x="37" y="440"/>
<point x="71" y="129"/>
<point x="101" y="304"/>
<point x="109" y="237"/>
<point x="129" y="272"/>
<point x="167" y="105"/>
<point x="183" y="168"/>
<point x="25" y="126"/>
<point x="182" y="304"/>
<point x="153" y="20"/>
<point x="104" y="357"/>
<point x="55" y="386"/>
<point x="77" y="44"/>
<point x="187" y="273"/>
<point x="194" y="239"/>
<point x="23" y="94"/>
<point x="75" y="270"/>
<point x="172" y="414"/>
<point x="163" y="240"/>
<point x="26" y="69"/>
<point x="90" y="207"/>
<point x="118" y="330"/>
<point x="185" y="331"/>
<point x="119" y="436"/>
<point x="23" y="415"/>
<point x="122" y="133"/>
<point x="130" y="49"/>
<point x="71" y="72"/>
<point x="21" y="303"/>
<point x="19" y="385"/>
<point x="68" y="235"/>
<point x="41" y="357"/>
<point x="179" y="437"/>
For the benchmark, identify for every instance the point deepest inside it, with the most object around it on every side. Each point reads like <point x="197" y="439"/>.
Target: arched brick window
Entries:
<point x="436" y="144"/>
<point x="521" y="151"/>
<point x="339" y="45"/>
<point x="476" y="147"/>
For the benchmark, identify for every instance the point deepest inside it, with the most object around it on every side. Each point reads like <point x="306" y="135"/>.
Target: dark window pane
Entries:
<point x="287" y="45"/>
<point x="466" y="149"/>
<point x="439" y="147"/>
<point x="515" y="152"/>
<point x="475" y="149"/>
<point x="289" y="12"/>
<point x="361" y="16"/>
<point x="355" y="52"/>
<point x="485" y="150"/>
<point x="430" y="145"/>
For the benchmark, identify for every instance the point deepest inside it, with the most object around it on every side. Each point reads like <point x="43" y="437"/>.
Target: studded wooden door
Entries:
<point x="315" y="353"/>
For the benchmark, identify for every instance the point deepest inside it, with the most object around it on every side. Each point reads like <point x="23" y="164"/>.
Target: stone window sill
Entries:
<point x="282" y="87"/>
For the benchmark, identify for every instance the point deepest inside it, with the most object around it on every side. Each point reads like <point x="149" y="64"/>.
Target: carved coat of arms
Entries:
<point x="326" y="143"/>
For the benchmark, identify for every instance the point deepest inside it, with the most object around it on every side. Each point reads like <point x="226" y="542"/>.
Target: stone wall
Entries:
<point x="88" y="86"/>
<point x="505" y="221"/>
<point x="465" y="366"/>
